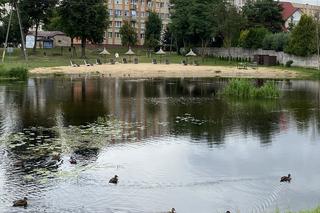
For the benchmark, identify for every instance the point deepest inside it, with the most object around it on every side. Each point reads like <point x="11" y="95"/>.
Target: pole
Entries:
<point x="317" y="34"/>
<point x="7" y="36"/>
<point x="21" y="33"/>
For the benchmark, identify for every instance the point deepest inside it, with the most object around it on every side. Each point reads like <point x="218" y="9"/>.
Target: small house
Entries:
<point x="48" y="39"/>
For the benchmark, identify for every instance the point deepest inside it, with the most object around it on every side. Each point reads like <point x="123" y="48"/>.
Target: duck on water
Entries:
<point x="21" y="203"/>
<point x="286" y="178"/>
<point x="114" y="180"/>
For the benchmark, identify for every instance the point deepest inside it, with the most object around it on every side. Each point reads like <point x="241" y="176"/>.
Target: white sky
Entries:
<point x="315" y="2"/>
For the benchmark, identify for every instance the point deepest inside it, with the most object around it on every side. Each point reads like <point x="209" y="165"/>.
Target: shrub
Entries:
<point x="253" y="38"/>
<point x="302" y="41"/>
<point x="277" y="41"/>
<point x="243" y="88"/>
<point x="18" y="73"/>
<point x="289" y="63"/>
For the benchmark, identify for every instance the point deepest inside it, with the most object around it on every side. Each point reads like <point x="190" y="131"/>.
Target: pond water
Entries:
<point x="172" y="142"/>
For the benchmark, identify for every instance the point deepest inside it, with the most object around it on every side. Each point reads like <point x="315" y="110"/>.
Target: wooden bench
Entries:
<point x="242" y="66"/>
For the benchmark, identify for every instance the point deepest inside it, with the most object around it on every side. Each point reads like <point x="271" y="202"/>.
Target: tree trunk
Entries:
<point x="73" y="50"/>
<point x="83" y="47"/>
<point x="36" y="37"/>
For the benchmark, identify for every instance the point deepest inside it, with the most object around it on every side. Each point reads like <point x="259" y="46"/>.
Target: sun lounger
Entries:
<point x="86" y="63"/>
<point x="98" y="61"/>
<point x="73" y="64"/>
<point x="112" y="61"/>
<point x="154" y="61"/>
<point x="253" y="65"/>
<point x="184" y="63"/>
<point x="242" y="66"/>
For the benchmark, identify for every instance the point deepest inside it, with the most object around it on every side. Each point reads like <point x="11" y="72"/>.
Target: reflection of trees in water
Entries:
<point x="157" y="101"/>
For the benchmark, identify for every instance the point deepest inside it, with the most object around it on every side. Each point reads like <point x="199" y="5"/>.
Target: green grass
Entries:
<point x="13" y="73"/>
<point x="243" y="88"/>
<point x="309" y="73"/>
<point x="316" y="210"/>
<point x="54" y="57"/>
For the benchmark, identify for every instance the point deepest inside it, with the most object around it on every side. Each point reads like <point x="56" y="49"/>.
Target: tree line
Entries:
<point x="194" y="23"/>
<point x="258" y="24"/>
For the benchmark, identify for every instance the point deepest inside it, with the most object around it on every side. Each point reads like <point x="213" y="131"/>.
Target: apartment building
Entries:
<point x="136" y="12"/>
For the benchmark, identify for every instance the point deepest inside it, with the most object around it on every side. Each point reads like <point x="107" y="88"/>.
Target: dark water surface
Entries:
<point x="173" y="143"/>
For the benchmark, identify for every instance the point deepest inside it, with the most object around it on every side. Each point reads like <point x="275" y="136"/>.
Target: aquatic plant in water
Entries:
<point x="244" y="88"/>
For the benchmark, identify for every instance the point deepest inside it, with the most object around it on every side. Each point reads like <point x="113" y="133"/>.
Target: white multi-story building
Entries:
<point x="136" y="12"/>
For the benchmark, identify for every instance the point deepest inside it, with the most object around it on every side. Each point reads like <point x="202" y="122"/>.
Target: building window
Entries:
<point x="111" y="12"/>
<point x="109" y="34"/>
<point x="118" y="24"/>
<point x="118" y="1"/>
<point x="142" y="35"/>
<point x="118" y="13"/>
<point x="118" y="35"/>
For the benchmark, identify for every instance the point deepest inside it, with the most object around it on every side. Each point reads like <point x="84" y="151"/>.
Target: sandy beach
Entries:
<point x="170" y="71"/>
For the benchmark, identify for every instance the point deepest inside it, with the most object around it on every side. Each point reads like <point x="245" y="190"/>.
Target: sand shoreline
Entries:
<point x="170" y="71"/>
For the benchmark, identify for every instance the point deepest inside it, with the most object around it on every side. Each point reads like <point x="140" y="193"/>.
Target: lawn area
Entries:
<point x="316" y="210"/>
<point x="58" y="57"/>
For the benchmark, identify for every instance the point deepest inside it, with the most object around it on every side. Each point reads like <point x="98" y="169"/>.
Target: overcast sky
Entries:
<point x="315" y="2"/>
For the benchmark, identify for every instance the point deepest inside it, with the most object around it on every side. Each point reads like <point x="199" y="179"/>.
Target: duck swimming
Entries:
<point x="114" y="180"/>
<point x="173" y="210"/>
<point x="19" y="203"/>
<point x="286" y="178"/>
<point x="73" y="160"/>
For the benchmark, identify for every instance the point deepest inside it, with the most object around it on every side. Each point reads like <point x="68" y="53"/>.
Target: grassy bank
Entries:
<point x="61" y="57"/>
<point x="13" y="73"/>
<point x="244" y="88"/>
<point x="316" y="210"/>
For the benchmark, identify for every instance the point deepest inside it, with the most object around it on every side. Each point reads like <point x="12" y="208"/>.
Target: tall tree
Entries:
<point x="15" y="35"/>
<point x="180" y="13"/>
<point x="128" y="35"/>
<point x="86" y="19"/>
<point x="38" y="11"/>
<point x="202" y="21"/>
<point x="302" y="41"/>
<point x="153" y="31"/>
<point x="230" y="23"/>
<point x="194" y="22"/>
<point x="264" y="13"/>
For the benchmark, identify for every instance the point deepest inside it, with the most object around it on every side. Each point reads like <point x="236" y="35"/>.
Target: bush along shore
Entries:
<point x="244" y="88"/>
<point x="16" y="73"/>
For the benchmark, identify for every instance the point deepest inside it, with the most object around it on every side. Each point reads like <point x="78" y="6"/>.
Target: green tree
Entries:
<point x="302" y="41"/>
<point x="26" y="22"/>
<point x="153" y="31"/>
<point x="230" y="24"/>
<point x="264" y="13"/>
<point x="86" y="19"/>
<point x="203" y="21"/>
<point x="128" y="35"/>
<point x="277" y="41"/>
<point x="38" y="12"/>
<point x="253" y="38"/>
<point x="167" y="39"/>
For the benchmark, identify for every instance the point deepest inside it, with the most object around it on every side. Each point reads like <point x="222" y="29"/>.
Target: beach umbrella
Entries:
<point x="105" y="53"/>
<point x="161" y="53"/>
<point x="191" y="54"/>
<point x="130" y="53"/>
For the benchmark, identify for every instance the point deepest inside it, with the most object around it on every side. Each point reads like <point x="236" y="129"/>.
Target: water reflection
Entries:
<point x="118" y="125"/>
